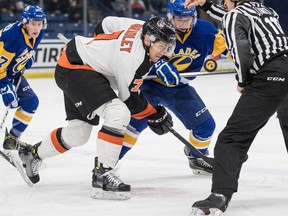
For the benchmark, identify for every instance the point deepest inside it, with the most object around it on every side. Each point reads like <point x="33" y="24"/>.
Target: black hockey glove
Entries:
<point x="160" y="122"/>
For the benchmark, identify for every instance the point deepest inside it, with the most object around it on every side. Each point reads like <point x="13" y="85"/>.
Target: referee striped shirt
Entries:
<point x="253" y="36"/>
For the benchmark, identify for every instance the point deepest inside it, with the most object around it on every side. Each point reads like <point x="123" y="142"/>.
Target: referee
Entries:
<point x="259" y="50"/>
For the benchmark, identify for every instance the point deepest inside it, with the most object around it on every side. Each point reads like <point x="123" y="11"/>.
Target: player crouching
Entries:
<point x="89" y="72"/>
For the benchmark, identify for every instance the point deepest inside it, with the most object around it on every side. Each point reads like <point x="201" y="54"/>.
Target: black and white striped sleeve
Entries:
<point x="213" y="10"/>
<point x="236" y="28"/>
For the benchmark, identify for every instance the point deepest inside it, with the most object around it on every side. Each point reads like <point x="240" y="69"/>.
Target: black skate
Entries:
<point x="10" y="141"/>
<point x="198" y="165"/>
<point x="31" y="162"/>
<point x="107" y="185"/>
<point x="215" y="205"/>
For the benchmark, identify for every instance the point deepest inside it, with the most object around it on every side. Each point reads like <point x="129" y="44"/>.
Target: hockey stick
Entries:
<point x="191" y="147"/>
<point x="194" y="74"/>
<point x="8" y="107"/>
<point x="62" y="38"/>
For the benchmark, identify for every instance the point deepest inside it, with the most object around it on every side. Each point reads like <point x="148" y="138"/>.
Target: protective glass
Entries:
<point x="166" y="49"/>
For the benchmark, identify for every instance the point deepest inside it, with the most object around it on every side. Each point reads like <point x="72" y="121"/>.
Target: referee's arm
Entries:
<point x="236" y="28"/>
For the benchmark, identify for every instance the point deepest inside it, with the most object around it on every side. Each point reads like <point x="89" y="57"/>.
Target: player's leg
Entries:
<point x="200" y="137"/>
<point x="59" y="141"/>
<point x="131" y="134"/>
<point x="107" y="185"/>
<point x="28" y="104"/>
<point x="187" y="105"/>
<point x="135" y="126"/>
<point x="79" y="127"/>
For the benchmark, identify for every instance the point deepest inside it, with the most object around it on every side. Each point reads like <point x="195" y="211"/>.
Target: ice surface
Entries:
<point x="157" y="169"/>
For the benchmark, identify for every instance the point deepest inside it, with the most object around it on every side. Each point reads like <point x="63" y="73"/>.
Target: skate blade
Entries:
<point x="8" y="154"/>
<point x="201" y="172"/>
<point x="206" y="211"/>
<point x="18" y="164"/>
<point x="98" y="193"/>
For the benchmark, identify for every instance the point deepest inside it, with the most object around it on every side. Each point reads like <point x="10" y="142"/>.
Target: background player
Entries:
<point x="196" y="39"/>
<point x="18" y="42"/>
<point x="88" y="72"/>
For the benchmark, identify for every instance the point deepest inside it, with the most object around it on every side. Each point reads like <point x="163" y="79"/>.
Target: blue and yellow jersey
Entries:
<point x="193" y="46"/>
<point x="16" y="49"/>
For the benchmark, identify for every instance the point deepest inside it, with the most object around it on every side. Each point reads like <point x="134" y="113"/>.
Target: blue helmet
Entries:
<point x="177" y="8"/>
<point x="33" y="13"/>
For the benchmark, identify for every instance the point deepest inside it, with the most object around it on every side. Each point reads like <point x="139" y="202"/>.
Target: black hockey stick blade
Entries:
<point x="192" y="148"/>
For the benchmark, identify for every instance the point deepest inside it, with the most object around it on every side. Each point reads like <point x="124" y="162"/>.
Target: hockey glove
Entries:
<point x="160" y="122"/>
<point x="166" y="71"/>
<point x="9" y="95"/>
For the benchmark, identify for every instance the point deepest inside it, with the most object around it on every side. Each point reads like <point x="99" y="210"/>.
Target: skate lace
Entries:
<point x="112" y="177"/>
<point x="201" y="162"/>
<point x="35" y="165"/>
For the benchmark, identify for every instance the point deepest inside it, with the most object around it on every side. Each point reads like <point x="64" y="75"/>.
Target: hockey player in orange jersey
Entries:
<point x="88" y="72"/>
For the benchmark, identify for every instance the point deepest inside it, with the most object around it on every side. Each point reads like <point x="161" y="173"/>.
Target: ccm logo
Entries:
<point x="278" y="79"/>
<point x="201" y="111"/>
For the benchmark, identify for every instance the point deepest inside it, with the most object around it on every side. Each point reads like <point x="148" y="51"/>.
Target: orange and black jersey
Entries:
<point x="121" y="58"/>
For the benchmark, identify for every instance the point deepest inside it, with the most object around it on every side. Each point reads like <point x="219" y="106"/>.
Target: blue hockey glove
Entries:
<point x="166" y="71"/>
<point x="9" y="95"/>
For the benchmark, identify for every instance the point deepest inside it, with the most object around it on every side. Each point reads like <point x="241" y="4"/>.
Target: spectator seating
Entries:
<point x="57" y="23"/>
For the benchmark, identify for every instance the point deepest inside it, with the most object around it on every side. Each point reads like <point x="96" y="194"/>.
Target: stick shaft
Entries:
<point x="63" y="38"/>
<point x="191" y="147"/>
<point x="193" y="74"/>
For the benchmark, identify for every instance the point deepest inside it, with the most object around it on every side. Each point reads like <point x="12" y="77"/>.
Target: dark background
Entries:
<point x="281" y="7"/>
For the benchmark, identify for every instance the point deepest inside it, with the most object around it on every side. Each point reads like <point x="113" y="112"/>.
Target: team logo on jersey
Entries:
<point x="21" y="61"/>
<point x="184" y="58"/>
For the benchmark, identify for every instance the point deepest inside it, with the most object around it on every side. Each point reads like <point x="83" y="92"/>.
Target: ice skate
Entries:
<point x="198" y="165"/>
<point x="215" y="205"/>
<point x="31" y="162"/>
<point x="107" y="185"/>
<point x="10" y="141"/>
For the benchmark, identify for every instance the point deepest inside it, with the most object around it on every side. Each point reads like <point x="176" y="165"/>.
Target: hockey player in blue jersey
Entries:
<point x="196" y="39"/>
<point x="18" y="42"/>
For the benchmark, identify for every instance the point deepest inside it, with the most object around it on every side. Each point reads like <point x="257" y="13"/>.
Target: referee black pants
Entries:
<point x="261" y="99"/>
<point x="282" y="115"/>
